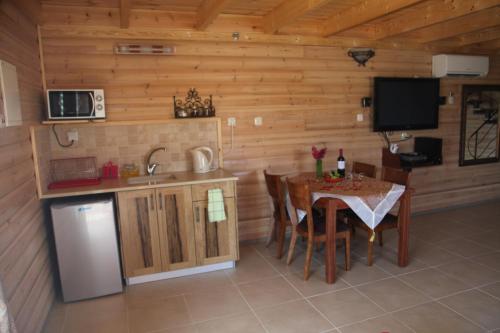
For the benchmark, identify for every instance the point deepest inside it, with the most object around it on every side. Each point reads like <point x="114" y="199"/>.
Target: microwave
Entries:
<point x="75" y="104"/>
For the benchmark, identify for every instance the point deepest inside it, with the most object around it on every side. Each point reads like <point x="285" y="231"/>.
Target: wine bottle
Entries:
<point x="341" y="163"/>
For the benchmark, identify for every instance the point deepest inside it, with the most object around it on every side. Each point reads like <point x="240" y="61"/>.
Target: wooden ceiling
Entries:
<point x="468" y="26"/>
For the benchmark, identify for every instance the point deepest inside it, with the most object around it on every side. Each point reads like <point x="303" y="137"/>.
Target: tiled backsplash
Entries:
<point x="131" y="143"/>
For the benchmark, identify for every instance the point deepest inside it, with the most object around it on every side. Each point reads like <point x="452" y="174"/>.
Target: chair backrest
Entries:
<point x="300" y="197"/>
<point x="368" y="170"/>
<point x="275" y="190"/>
<point x="396" y="176"/>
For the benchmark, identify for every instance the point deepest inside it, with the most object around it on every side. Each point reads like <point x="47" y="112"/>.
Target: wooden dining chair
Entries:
<point x="369" y="170"/>
<point x="390" y="221"/>
<point x="312" y="226"/>
<point x="280" y="216"/>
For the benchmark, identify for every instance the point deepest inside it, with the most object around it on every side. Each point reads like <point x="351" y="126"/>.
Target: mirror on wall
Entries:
<point x="479" y="136"/>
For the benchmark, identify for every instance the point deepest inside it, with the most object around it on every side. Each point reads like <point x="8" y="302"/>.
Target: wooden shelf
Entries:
<point x="103" y="122"/>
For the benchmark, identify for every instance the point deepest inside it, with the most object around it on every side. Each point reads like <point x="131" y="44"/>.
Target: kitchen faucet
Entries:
<point x="150" y="168"/>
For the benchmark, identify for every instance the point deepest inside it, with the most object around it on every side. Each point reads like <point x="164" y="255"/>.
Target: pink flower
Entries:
<point x="318" y="154"/>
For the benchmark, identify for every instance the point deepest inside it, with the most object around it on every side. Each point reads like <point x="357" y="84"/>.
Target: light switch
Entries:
<point x="231" y="121"/>
<point x="257" y="121"/>
<point x="359" y="117"/>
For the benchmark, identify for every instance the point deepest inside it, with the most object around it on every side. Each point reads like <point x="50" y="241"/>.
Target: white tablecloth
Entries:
<point x="371" y="210"/>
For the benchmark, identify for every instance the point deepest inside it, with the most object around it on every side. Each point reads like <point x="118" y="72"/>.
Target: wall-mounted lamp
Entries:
<point x="366" y="102"/>
<point x="147" y="49"/>
<point x="361" y="55"/>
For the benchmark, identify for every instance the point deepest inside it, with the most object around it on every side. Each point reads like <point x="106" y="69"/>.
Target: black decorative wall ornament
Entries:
<point x="193" y="106"/>
<point x="361" y="55"/>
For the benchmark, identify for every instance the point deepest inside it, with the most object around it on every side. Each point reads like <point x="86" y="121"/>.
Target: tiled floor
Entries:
<point x="451" y="285"/>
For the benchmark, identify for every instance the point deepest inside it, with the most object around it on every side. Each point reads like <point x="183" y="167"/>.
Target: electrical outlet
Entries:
<point x="231" y="121"/>
<point x="257" y="121"/>
<point x="72" y="135"/>
<point x="359" y="117"/>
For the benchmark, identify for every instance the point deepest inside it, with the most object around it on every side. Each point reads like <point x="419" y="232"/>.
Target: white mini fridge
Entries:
<point x="87" y="247"/>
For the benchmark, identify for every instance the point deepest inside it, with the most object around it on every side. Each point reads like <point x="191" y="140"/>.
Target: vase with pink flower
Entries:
<point x="318" y="155"/>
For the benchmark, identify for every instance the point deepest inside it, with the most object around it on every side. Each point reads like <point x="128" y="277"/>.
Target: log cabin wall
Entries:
<point x="25" y="269"/>
<point x="305" y="94"/>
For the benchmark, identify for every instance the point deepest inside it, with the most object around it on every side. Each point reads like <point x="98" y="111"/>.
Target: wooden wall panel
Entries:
<point x="305" y="94"/>
<point x="25" y="270"/>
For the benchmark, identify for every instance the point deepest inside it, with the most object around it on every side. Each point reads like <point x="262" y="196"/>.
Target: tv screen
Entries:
<point x="405" y="103"/>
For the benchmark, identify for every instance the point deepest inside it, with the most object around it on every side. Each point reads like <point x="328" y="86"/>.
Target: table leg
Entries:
<point x="331" y="230"/>
<point x="404" y="234"/>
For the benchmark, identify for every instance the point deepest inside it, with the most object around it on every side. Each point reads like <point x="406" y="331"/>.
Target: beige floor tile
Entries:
<point x="316" y="284"/>
<point x="476" y="306"/>
<point x="435" y="318"/>
<point x="491" y="260"/>
<point x="243" y="323"/>
<point x="388" y="261"/>
<point x="146" y="293"/>
<point x="345" y="306"/>
<point x="434" y="283"/>
<point x="204" y="305"/>
<point x="251" y="267"/>
<point x="185" y="329"/>
<point x="464" y="247"/>
<point x="392" y="294"/>
<point x="492" y="289"/>
<point x="297" y="265"/>
<point x="471" y="273"/>
<point x="293" y="317"/>
<point x="167" y="313"/>
<point x="385" y="323"/>
<point x="490" y="239"/>
<point x="362" y="273"/>
<point x="268" y="292"/>
<point x="106" y="322"/>
<point x="433" y="255"/>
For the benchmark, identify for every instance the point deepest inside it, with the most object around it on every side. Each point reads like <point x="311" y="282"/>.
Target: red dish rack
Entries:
<point x="73" y="172"/>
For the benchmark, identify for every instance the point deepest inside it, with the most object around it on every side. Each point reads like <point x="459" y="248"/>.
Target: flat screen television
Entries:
<point x="405" y="103"/>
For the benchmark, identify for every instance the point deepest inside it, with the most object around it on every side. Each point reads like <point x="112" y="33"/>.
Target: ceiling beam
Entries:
<point x="31" y="9"/>
<point x="361" y="13"/>
<point x="478" y="36"/>
<point x="287" y="12"/>
<point x="490" y="45"/>
<point x="208" y="12"/>
<point x="469" y="23"/>
<point x="433" y="12"/>
<point x="125" y="13"/>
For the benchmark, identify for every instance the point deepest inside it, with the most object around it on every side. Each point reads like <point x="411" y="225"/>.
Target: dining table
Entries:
<point x="371" y="199"/>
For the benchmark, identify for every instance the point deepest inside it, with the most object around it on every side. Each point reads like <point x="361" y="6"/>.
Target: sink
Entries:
<point x="151" y="179"/>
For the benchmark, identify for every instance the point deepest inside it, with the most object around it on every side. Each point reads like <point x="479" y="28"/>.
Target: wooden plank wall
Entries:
<point x="305" y="94"/>
<point x="25" y="269"/>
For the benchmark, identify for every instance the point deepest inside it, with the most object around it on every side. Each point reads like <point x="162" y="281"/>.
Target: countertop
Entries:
<point x="118" y="185"/>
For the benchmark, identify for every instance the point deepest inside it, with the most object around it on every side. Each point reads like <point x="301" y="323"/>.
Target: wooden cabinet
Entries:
<point x="175" y="227"/>
<point x="166" y="229"/>
<point x="139" y="232"/>
<point x="215" y="241"/>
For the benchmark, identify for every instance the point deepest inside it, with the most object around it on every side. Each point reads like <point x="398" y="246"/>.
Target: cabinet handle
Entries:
<point x="197" y="213"/>
<point x="151" y="201"/>
<point x="161" y="201"/>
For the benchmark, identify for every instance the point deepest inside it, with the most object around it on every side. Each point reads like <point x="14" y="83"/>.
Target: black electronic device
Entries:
<point x="405" y="103"/>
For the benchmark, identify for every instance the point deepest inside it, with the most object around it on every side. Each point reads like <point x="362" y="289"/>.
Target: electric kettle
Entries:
<point x="201" y="163"/>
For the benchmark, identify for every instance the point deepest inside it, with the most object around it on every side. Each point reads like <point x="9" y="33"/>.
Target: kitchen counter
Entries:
<point x="118" y="185"/>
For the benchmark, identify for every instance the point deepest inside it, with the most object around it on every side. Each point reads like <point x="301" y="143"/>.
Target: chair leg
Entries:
<point x="309" y="253"/>
<point x="281" y="238"/>
<point x="380" y="240"/>
<point x="370" y="249"/>
<point x="348" y="252"/>
<point x="293" y="241"/>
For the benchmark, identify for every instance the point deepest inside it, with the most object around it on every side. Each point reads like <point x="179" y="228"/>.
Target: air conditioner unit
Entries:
<point x="453" y="65"/>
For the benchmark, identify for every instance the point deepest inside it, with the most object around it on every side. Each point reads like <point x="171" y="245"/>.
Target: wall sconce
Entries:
<point x="366" y="102"/>
<point x="146" y="49"/>
<point x="361" y="55"/>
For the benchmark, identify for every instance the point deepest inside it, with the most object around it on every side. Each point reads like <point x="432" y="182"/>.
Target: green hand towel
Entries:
<point x="216" y="211"/>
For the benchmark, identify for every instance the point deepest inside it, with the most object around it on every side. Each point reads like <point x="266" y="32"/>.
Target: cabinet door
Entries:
<point x="215" y="241"/>
<point x="175" y="223"/>
<point x="139" y="232"/>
